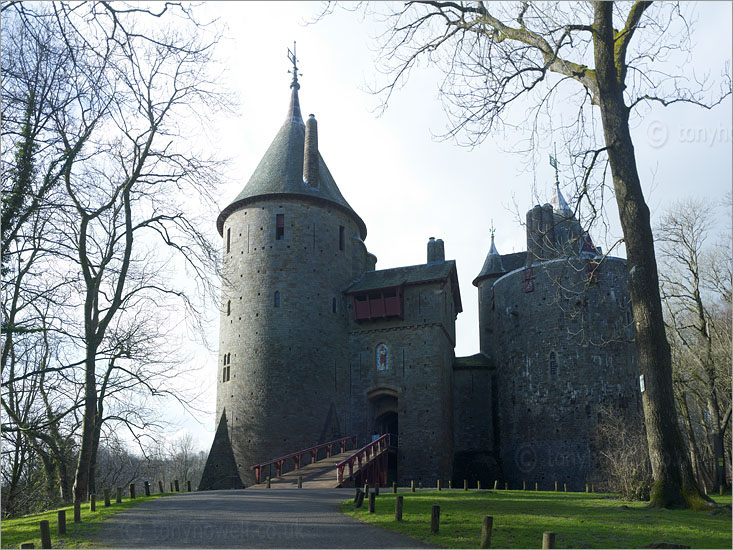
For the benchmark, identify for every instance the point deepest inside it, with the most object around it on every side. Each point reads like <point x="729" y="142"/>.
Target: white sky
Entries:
<point x="407" y="186"/>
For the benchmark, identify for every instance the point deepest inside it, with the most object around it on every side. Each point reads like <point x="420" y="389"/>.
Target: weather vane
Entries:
<point x="553" y="163"/>
<point x="294" y="60"/>
<point x="492" y="229"/>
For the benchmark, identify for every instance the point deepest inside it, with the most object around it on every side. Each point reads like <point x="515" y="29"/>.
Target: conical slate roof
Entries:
<point x="492" y="265"/>
<point x="280" y="172"/>
<point x="559" y="204"/>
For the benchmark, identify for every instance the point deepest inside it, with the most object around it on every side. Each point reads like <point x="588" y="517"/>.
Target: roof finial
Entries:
<point x="294" y="60"/>
<point x="492" y="230"/>
<point x="553" y="163"/>
<point x="559" y="201"/>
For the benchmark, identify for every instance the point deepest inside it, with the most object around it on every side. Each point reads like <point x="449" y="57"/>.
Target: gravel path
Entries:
<point x="275" y="518"/>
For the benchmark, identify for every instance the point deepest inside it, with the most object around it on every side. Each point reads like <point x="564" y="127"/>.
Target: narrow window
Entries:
<point x="333" y="305"/>
<point x="341" y="237"/>
<point x="229" y="308"/>
<point x="228" y="372"/>
<point x="229" y="358"/>
<point x="224" y="375"/>
<point x="277" y="298"/>
<point x="225" y="359"/>
<point x="279" y="227"/>
<point x="553" y="364"/>
<point x="229" y="239"/>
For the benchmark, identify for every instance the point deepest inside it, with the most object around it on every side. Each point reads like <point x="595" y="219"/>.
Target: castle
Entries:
<point x="316" y="343"/>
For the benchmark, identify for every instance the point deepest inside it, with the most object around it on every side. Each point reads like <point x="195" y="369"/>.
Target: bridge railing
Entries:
<point x="364" y="456"/>
<point x="279" y="462"/>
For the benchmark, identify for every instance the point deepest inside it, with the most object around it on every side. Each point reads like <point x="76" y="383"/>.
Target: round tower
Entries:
<point x="291" y="243"/>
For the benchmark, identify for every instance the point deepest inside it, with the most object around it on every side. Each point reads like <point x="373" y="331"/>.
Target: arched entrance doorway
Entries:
<point x="385" y="420"/>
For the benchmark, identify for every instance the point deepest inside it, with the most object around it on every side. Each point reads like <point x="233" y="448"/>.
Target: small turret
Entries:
<point x="311" y="164"/>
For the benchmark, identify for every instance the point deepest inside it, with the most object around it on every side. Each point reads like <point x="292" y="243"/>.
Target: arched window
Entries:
<point x="277" y="298"/>
<point x="553" y="364"/>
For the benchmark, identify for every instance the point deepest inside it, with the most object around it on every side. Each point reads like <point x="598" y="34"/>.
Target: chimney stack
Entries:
<point x="436" y="250"/>
<point x="311" y="165"/>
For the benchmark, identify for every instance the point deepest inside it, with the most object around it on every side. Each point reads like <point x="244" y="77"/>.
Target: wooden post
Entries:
<point x="360" y="499"/>
<point x="160" y="487"/>
<point x="438" y="485"/>
<point x="398" y="503"/>
<point x="372" y="500"/>
<point x="77" y="511"/>
<point x="496" y="485"/>
<point x="486" y="526"/>
<point x="27" y="545"/>
<point x="132" y="490"/>
<point x="394" y="487"/>
<point x="412" y="485"/>
<point x="356" y="494"/>
<point x="45" y="534"/>
<point x="478" y="485"/>
<point x="376" y="489"/>
<point x="188" y="485"/>
<point x="435" y="519"/>
<point x="536" y="486"/>
<point x="565" y="487"/>
<point x="465" y="485"/>
<point x="93" y="502"/>
<point x="548" y="540"/>
<point x="118" y="498"/>
<point x="62" y="522"/>
<point x="556" y="486"/>
<point x="178" y="489"/>
<point x="107" y="503"/>
<point x="146" y="485"/>
<point x="267" y="480"/>
<point x="506" y="485"/>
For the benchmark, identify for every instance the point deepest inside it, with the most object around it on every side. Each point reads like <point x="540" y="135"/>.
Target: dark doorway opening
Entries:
<point x="387" y="423"/>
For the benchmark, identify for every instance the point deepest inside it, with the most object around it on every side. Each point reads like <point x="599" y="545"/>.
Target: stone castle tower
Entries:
<point x="316" y="343"/>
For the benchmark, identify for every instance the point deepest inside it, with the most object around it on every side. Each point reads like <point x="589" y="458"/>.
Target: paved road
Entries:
<point x="275" y="518"/>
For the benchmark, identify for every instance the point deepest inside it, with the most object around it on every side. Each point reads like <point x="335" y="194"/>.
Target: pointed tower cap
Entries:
<point x="493" y="265"/>
<point x="559" y="203"/>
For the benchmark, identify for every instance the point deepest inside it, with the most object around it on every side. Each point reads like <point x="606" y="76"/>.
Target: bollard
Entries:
<point x="107" y="503"/>
<point x="146" y="486"/>
<point x="565" y="487"/>
<point x="360" y="499"/>
<point x="376" y="489"/>
<point x="188" y="485"/>
<point x="267" y="480"/>
<point x="486" y="526"/>
<point x="356" y="494"/>
<point x="478" y="485"/>
<point x="300" y="482"/>
<point x="412" y="485"/>
<point x="366" y="488"/>
<point x="62" y="522"/>
<point x="506" y="485"/>
<point x="587" y="488"/>
<point x="496" y="485"/>
<point x="394" y="487"/>
<point x="524" y="485"/>
<point x="398" y="508"/>
<point x="372" y="500"/>
<point x="119" y="495"/>
<point x="548" y="540"/>
<point x="77" y="511"/>
<point x="438" y="485"/>
<point x="435" y="519"/>
<point x="536" y="486"/>
<point x="556" y="486"/>
<point x="27" y="545"/>
<point x="93" y="502"/>
<point x="465" y="485"/>
<point x="132" y="490"/>
<point x="45" y="534"/>
<point x="175" y="482"/>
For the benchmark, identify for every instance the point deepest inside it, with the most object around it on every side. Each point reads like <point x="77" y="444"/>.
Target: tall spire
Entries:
<point x="294" y="114"/>
<point x="558" y="201"/>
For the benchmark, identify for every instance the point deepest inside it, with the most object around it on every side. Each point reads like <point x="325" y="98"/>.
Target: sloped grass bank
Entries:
<point x="26" y="529"/>
<point x="580" y="520"/>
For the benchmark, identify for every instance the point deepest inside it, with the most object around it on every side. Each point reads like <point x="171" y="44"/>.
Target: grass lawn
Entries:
<point x="26" y="528"/>
<point x="579" y="520"/>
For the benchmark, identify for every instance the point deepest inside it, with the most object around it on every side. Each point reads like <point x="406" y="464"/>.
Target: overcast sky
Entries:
<point x="407" y="186"/>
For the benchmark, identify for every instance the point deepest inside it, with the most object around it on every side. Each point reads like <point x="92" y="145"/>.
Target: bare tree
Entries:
<point x="607" y="60"/>
<point x="122" y="148"/>
<point x="691" y="320"/>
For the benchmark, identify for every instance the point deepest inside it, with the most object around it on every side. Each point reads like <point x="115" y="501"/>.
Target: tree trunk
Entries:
<point x="674" y="483"/>
<point x="81" y="477"/>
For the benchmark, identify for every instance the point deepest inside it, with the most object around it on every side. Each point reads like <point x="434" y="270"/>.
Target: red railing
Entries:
<point x="362" y="457"/>
<point x="280" y="461"/>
